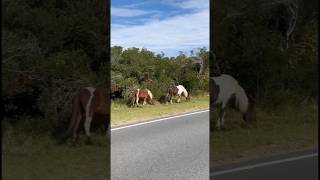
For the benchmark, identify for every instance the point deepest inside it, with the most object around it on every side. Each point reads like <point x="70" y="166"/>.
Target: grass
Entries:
<point x="38" y="157"/>
<point x="30" y="155"/>
<point x="289" y="129"/>
<point x="122" y="114"/>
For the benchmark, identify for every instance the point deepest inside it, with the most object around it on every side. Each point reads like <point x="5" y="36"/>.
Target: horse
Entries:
<point x="176" y="91"/>
<point x="144" y="94"/>
<point x="224" y="90"/>
<point x="88" y="103"/>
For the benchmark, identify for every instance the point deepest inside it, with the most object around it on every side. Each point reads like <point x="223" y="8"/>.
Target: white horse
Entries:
<point x="177" y="91"/>
<point x="225" y="88"/>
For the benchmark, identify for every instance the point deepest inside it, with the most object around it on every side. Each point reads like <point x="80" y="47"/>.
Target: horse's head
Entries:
<point x="188" y="98"/>
<point x="250" y="114"/>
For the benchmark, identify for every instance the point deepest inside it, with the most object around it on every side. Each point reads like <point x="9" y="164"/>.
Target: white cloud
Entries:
<point x="182" y="32"/>
<point x="128" y="12"/>
<point x="194" y="4"/>
<point x="188" y="4"/>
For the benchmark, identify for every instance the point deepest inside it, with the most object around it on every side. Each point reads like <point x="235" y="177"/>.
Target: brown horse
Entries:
<point x="88" y="103"/>
<point x="176" y="91"/>
<point x="144" y="94"/>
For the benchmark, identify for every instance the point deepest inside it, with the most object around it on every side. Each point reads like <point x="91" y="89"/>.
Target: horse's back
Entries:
<point x="227" y="87"/>
<point x="97" y="97"/>
<point x="182" y="89"/>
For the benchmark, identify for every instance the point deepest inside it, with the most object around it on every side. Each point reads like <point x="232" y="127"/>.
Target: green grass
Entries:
<point x="289" y="129"/>
<point x="30" y="157"/>
<point x="122" y="114"/>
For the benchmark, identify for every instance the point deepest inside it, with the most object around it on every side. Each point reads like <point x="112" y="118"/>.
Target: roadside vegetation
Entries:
<point x="50" y="49"/>
<point x="133" y="68"/>
<point x="282" y="74"/>
<point x="294" y="127"/>
<point x="122" y="114"/>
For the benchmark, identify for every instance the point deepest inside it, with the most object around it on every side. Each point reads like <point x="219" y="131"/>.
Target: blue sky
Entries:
<point x="167" y="26"/>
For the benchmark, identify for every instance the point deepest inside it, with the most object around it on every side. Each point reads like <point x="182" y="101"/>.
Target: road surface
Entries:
<point x="302" y="165"/>
<point x="168" y="148"/>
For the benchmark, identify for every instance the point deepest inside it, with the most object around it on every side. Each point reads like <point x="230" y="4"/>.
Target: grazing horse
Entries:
<point x="177" y="91"/>
<point x="88" y="103"/>
<point x="224" y="89"/>
<point x="144" y="94"/>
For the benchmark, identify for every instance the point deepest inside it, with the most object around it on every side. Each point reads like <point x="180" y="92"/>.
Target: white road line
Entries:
<point x="157" y="120"/>
<point x="263" y="164"/>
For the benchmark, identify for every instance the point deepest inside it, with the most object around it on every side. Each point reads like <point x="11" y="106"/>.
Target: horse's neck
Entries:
<point x="185" y="93"/>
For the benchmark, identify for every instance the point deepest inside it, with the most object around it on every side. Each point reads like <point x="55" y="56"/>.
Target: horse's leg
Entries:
<point x="137" y="98"/>
<point x="144" y="101"/>
<point x="222" y="113"/>
<point x="219" y="121"/>
<point x="76" y="127"/>
<point x="179" y="97"/>
<point x="75" y="111"/>
<point x="133" y="102"/>
<point x="87" y="125"/>
<point x="137" y="101"/>
<point x="171" y="97"/>
<point x="166" y="98"/>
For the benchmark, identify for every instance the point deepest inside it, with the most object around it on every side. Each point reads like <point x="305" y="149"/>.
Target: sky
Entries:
<point x="167" y="26"/>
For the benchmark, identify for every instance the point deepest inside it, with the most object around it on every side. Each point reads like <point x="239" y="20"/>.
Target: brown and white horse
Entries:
<point x="224" y="89"/>
<point x="177" y="91"/>
<point x="144" y="94"/>
<point x="89" y="103"/>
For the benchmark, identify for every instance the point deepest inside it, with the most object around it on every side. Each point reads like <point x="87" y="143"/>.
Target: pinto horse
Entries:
<point x="225" y="89"/>
<point x="177" y="91"/>
<point x="88" y="103"/>
<point x="144" y="94"/>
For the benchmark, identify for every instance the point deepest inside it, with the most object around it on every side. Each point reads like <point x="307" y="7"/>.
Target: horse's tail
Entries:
<point x="150" y="94"/>
<point x="241" y="99"/>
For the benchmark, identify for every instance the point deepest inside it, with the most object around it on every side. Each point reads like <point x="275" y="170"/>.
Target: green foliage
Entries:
<point x="51" y="49"/>
<point x="140" y="68"/>
<point x="247" y="45"/>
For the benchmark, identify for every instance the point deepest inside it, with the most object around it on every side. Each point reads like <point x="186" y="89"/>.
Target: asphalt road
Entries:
<point x="302" y="165"/>
<point x="164" y="149"/>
